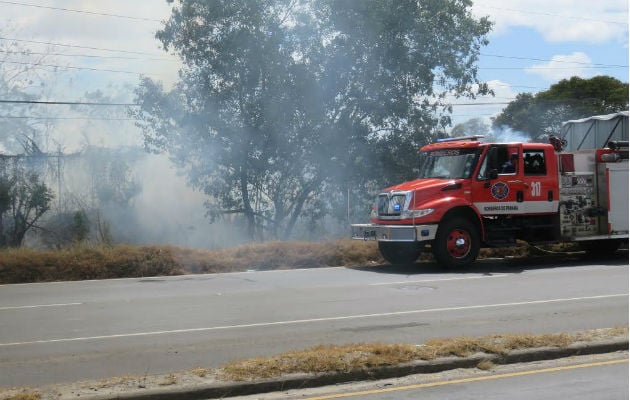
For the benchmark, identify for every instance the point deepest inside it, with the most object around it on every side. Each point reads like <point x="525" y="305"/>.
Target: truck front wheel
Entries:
<point x="456" y="243"/>
<point x="399" y="253"/>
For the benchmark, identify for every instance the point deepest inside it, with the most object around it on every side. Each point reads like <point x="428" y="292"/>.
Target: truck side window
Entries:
<point x="508" y="158"/>
<point x="534" y="161"/>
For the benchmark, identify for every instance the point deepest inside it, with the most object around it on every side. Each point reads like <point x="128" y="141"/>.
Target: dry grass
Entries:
<point x="278" y="255"/>
<point x="200" y="372"/>
<point x="82" y="262"/>
<point x="486" y="365"/>
<point x="321" y="359"/>
<point x="24" y="395"/>
<point x="168" y="380"/>
<point x="116" y="381"/>
<point x="86" y="261"/>
<point x="362" y="356"/>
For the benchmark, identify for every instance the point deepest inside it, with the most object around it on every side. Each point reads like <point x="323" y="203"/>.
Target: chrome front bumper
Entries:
<point x="394" y="233"/>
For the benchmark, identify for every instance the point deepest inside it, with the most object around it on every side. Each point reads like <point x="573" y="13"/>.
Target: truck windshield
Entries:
<point x="448" y="163"/>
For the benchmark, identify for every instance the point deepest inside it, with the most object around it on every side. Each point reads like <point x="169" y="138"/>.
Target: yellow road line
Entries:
<point x="468" y="380"/>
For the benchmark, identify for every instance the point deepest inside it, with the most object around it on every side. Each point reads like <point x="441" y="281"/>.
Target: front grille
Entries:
<point x="391" y="205"/>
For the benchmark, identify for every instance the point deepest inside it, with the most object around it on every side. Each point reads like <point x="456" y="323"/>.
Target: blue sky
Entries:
<point x="534" y="43"/>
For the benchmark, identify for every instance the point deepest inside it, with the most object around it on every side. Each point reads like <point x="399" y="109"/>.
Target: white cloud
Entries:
<point x="560" y="20"/>
<point x="96" y="31"/>
<point x="564" y="66"/>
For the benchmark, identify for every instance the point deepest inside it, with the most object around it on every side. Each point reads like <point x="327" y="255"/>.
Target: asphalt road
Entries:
<point x="62" y="332"/>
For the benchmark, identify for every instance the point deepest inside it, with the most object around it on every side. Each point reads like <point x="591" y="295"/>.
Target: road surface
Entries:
<point x="63" y="332"/>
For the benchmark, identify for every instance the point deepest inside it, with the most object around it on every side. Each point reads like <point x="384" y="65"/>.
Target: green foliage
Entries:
<point x="24" y="198"/>
<point x="475" y="126"/>
<point x="568" y="99"/>
<point x="113" y="181"/>
<point x="80" y="226"/>
<point x="282" y="102"/>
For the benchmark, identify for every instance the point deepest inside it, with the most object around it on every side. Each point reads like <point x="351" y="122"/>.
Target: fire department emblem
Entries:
<point x="500" y="190"/>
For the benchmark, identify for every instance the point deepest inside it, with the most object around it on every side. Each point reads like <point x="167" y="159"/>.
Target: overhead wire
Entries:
<point x="78" y="68"/>
<point x="66" y="118"/>
<point x="556" y="15"/>
<point x="555" y="61"/>
<point x="28" y="53"/>
<point x="15" y="3"/>
<point x="70" y="103"/>
<point x="78" y="46"/>
<point x="586" y="64"/>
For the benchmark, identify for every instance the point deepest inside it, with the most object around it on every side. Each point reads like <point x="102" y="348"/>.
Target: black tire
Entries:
<point x="601" y="248"/>
<point x="456" y="243"/>
<point x="398" y="253"/>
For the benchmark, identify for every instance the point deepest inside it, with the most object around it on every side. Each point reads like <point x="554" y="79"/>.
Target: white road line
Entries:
<point x="39" y="306"/>
<point x="439" y="280"/>
<point x="303" y="321"/>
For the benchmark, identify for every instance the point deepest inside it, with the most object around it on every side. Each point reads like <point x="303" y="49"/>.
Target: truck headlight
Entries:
<point x="417" y="213"/>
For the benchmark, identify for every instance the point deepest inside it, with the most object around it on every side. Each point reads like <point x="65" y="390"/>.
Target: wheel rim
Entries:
<point x="458" y="243"/>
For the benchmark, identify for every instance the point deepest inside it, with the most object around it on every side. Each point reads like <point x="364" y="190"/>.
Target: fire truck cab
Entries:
<point x="471" y="194"/>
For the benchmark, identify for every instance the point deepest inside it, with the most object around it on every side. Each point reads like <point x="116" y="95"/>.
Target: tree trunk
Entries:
<point x="247" y="206"/>
<point x="298" y="206"/>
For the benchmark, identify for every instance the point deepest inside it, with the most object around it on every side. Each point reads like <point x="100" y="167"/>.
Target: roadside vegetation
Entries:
<point x="353" y="357"/>
<point x="319" y="360"/>
<point x="89" y="261"/>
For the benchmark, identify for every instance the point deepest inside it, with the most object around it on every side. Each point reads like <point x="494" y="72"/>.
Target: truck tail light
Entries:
<point x="566" y="163"/>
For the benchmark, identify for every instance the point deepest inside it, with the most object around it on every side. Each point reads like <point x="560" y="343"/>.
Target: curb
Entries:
<point x="303" y="381"/>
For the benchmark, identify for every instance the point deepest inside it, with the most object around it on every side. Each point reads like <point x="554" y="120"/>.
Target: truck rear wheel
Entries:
<point x="399" y="253"/>
<point x="456" y="243"/>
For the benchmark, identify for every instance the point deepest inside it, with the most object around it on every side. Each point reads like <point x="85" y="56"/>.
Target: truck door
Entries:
<point x="499" y="187"/>
<point x="541" y="190"/>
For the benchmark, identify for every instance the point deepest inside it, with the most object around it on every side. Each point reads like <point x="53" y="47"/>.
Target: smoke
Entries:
<point x="168" y="211"/>
<point x="505" y="134"/>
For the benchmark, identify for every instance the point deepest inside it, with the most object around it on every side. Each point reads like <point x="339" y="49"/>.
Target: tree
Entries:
<point x="24" y="198"/>
<point x="280" y="100"/>
<point x="575" y="98"/>
<point x="474" y="126"/>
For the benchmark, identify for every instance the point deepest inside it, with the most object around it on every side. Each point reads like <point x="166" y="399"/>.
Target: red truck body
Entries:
<point x="469" y="195"/>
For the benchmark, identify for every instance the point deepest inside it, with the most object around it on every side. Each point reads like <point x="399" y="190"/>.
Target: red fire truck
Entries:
<point x="471" y="194"/>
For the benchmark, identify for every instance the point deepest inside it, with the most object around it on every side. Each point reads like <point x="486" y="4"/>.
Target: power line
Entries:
<point x="171" y="60"/>
<point x="78" y="47"/>
<point x="71" y="103"/>
<point x="78" y="68"/>
<point x="555" y="61"/>
<point x="28" y="53"/>
<point x="541" y="68"/>
<point x="138" y="105"/>
<point x="15" y="3"/>
<point x="557" y="15"/>
<point x="481" y="104"/>
<point x="66" y="118"/>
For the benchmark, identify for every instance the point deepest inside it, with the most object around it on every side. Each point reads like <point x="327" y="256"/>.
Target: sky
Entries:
<point x="106" y="45"/>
